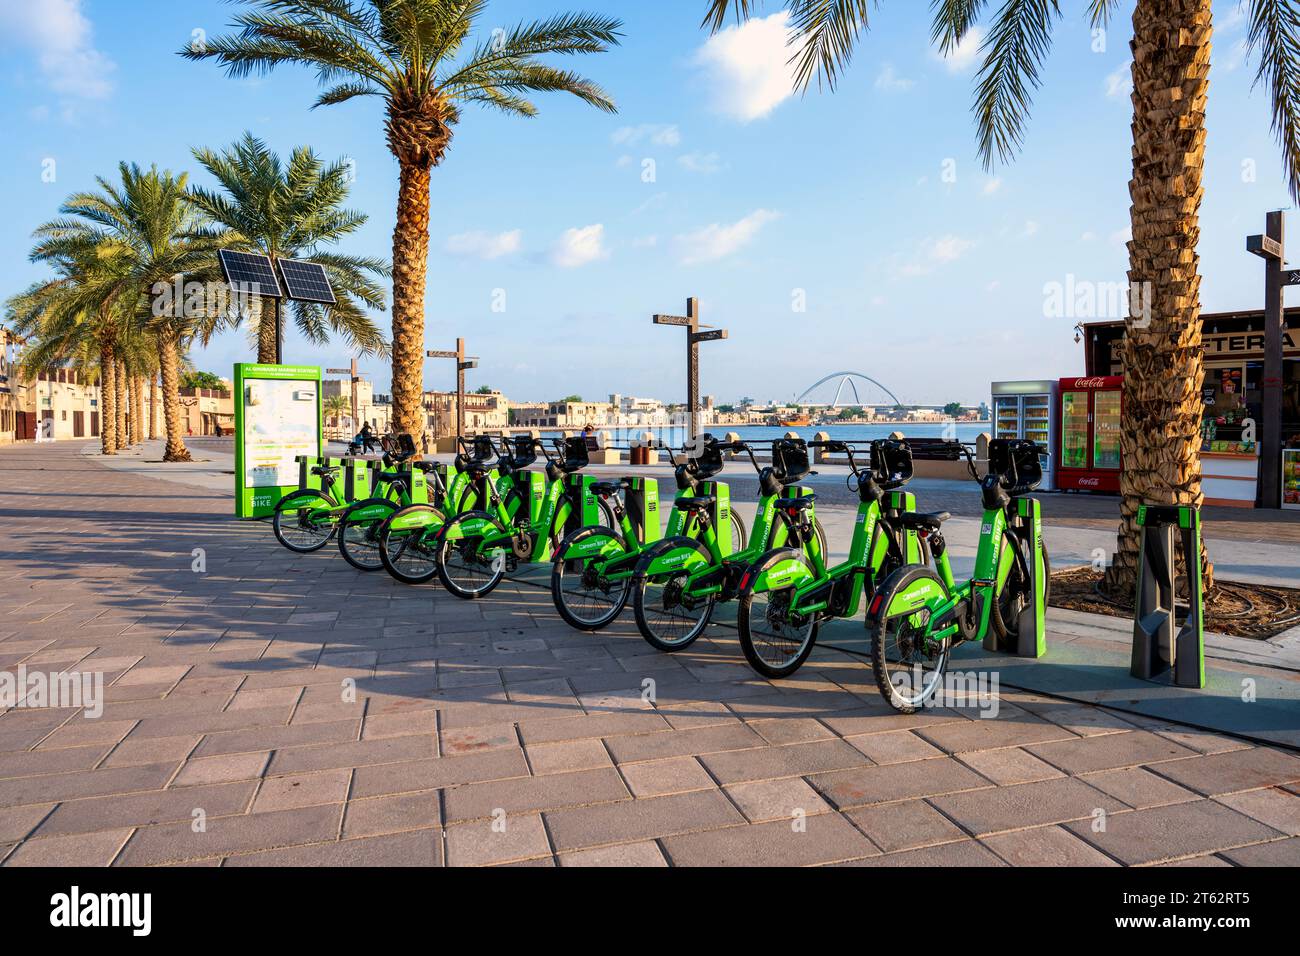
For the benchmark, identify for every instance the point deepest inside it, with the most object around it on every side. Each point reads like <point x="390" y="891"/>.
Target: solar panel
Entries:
<point x="306" y="281"/>
<point x="248" y="269"/>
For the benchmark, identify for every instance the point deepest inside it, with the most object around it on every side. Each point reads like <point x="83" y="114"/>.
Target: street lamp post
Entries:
<point x="463" y="362"/>
<point x="1271" y="247"/>
<point x="691" y="321"/>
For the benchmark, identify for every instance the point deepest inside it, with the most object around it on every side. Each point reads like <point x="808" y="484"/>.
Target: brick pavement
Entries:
<point x="282" y="710"/>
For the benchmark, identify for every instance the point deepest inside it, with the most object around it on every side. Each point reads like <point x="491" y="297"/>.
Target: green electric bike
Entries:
<point x="476" y="549"/>
<point x="306" y="519"/>
<point x="919" y="614"/>
<point x="678" y="583"/>
<point x="407" y="540"/>
<point x="591" y="573"/>
<point x="788" y="592"/>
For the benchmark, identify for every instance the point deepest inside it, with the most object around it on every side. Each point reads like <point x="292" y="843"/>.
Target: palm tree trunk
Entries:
<point x="266" y="329"/>
<point x="107" y="399"/>
<point x="123" y="436"/>
<point x="170" y="362"/>
<point x="410" y="271"/>
<point x="1163" y="358"/>
<point x="133" y="396"/>
<point x="153" y="406"/>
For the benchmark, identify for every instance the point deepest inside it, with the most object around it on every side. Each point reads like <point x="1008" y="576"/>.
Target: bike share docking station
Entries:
<point x="1159" y="645"/>
<point x="1023" y="517"/>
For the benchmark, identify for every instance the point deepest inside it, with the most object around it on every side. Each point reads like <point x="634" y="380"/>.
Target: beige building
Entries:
<point x="207" y="411"/>
<point x="484" y="412"/>
<point x="566" y="415"/>
<point x="372" y="408"/>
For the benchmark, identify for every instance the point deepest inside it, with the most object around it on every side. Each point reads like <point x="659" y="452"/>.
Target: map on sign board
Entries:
<point x="280" y="422"/>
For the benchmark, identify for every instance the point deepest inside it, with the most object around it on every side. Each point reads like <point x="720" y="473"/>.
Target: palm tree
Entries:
<point x="336" y="407"/>
<point x="1162" y="357"/>
<point x="146" y="226"/>
<point x="291" y="212"/>
<point x="409" y="53"/>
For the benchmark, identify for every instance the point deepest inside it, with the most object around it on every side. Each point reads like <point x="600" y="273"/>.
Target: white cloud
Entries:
<point x="657" y="134"/>
<point x="701" y="162"/>
<point x="484" y="245"/>
<point x="1031" y="229"/>
<point x="1235" y="56"/>
<point x="937" y="252"/>
<point x="1119" y="82"/>
<point x="60" y="36"/>
<point x="963" y="56"/>
<point x="1088" y="236"/>
<point x="992" y="185"/>
<point x="578" y="247"/>
<point x="889" y="81"/>
<point x="748" y="67"/>
<point x="717" y="241"/>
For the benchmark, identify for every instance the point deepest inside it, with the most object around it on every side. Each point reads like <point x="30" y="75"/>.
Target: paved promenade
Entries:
<point x="267" y="709"/>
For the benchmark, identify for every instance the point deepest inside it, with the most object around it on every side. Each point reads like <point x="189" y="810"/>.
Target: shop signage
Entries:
<point x="1246" y="344"/>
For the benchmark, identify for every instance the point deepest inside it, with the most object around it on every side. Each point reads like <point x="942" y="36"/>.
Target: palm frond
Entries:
<point x="1014" y="50"/>
<point x="1275" y="34"/>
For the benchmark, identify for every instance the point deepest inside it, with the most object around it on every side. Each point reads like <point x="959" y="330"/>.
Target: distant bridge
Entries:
<point x="846" y="378"/>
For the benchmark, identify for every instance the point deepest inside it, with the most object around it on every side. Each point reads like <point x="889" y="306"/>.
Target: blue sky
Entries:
<point x="868" y="206"/>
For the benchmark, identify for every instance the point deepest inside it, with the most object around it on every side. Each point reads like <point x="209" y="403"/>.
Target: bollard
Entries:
<point x="1156" y="648"/>
<point x="820" y="455"/>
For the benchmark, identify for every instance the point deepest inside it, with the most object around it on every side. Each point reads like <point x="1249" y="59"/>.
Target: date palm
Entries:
<point x="294" y="210"/>
<point x="146" y="227"/>
<point x="415" y="56"/>
<point x="1162" y="356"/>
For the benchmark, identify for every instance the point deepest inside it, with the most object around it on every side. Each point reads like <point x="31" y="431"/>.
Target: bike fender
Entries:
<point x="913" y="596"/>
<point x="673" y="555"/>
<point x="580" y="547"/>
<point x="413" y="519"/>
<point x="779" y="569"/>
<point x="472" y="524"/>
<point x="323" y="500"/>
<point x="372" y="509"/>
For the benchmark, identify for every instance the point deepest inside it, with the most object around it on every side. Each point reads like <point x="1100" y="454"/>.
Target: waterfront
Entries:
<point x="673" y="436"/>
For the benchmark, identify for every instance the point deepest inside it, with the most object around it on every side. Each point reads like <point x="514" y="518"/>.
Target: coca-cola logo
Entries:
<point x="1089" y="382"/>
<point x="1090" y="482"/>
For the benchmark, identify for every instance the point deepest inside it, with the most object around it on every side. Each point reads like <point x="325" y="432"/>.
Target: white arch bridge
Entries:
<point x="849" y="380"/>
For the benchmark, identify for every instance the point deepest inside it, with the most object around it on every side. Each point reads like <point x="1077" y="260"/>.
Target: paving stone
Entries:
<point x="905" y="781"/>
<point x="151" y="750"/>
<point x="275" y="738"/>
<point x="1024" y="805"/>
<point x="1166" y="833"/>
<point x="624" y="854"/>
<point x="1045" y="846"/>
<point x="404" y="811"/>
<point x="657" y="778"/>
<point x="302" y="790"/>
<point x="790" y="730"/>
<point x="81" y="733"/>
<point x="546" y="792"/>
<point x="1109" y="752"/>
<point x="409" y="776"/>
<point x="636" y="820"/>
<point x="568" y="755"/>
<point x="412" y="848"/>
<point x="89" y="783"/>
<point x="791" y="760"/>
<point x="1202" y="741"/>
<point x="478" y="739"/>
<point x="965" y="853"/>
<point x="1198" y="862"/>
<point x="1010" y="730"/>
<point x="905" y="825"/>
<point x="897" y="746"/>
<point x="87" y="849"/>
<point x="764" y="800"/>
<point x="359" y="753"/>
<point x="1276" y="853"/>
<point x="146" y="809"/>
<point x="825" y="838"/>
<point x="230" y="835"/>
<point x="1082" y="719"/>
<point x="699" y="740"/>
<point x="17" y="822"/>
<point x="1238" y="770"/>
<point x="31" y="762"/>
<point x="1009" y="765"/>
<point x="1138" y="787"/>
<point x="484" y="842"/>
<point x="1275" y="807"/>
<point x="223" y="769"/>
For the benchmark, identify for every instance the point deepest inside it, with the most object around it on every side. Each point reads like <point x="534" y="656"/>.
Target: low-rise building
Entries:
<point x="484" y="412"/>
<point x="207" y="411"/>
<point x="564" y="415"/>
<point x="372" y="408"/>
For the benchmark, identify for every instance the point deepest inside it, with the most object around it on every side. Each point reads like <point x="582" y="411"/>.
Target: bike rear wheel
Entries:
<point x="775" y="642"/>
<point x="304" y="521"/>
<point x="465" y="567"/>
<point x="739" y="533"/>
<point x="668" y="618"/>
<point x="908" y="666"/>
<point x="410" y="555"/>
<point x="583" y="597"/>
<point x="1014" y="596"/>
<point x="358" y="533"/>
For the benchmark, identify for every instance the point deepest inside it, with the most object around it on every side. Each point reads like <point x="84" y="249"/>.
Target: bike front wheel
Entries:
<point x="467" y="566"/>
<point x="583" y="596"/>
<point x="668" y="616"/>
<point x="908" y="664"/>
<point x="358" y="533"/>
<point x="775" y="641"/>
<point x="410" y="553"/>
<point x="304" y="521"/>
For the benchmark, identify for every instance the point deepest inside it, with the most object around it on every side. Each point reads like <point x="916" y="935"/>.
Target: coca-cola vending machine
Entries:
<point x="1088" y="458"/>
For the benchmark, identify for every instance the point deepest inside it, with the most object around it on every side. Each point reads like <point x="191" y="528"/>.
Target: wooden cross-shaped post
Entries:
<point x="691" y="320"/>
<point x="463" y="362"/>
<point x="1271" y="247"/>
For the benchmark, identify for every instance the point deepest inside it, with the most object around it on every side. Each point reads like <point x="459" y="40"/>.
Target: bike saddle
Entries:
<point x="324" y="470"/>
<point x="917" y="521"/>
<point x="694" y="504"/>
<point x="796" y="504"/>
<point x="425" y="466"/>
<point x="391" y="477"/>
<point x="607" y="488"/>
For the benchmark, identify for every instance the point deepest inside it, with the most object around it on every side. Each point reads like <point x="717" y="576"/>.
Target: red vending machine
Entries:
<point x="1088" y="458"/>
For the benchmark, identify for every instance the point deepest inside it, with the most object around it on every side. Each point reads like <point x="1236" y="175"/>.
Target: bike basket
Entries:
<point x="790" y="459"/>
<point x="1015" y="462"/>
<point x="891" y="463"/>
<point x="523" y="452"/>
<point x="708" y="462"/>
<point x="575" y="454"/>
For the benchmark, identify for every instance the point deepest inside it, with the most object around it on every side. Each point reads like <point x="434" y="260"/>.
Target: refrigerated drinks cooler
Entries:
<point x="1089" y="456"/>
<point x="1028" y="410"/>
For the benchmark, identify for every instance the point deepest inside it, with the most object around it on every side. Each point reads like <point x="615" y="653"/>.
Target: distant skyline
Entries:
<point x="853" y="230"/>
